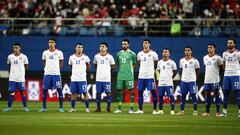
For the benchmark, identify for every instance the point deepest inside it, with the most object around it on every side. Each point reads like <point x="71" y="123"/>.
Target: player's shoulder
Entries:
<point x="23" y="55"/>
<point x="182" y="59"/>
<point x="97" y="54"/>
<point x="205" y="56"/>
<point x="225" y="52"/>
<point x="72" y="55"/>
<point x="58" y="50"/>
<point x="171" y="60"/>
<point x="108" y="55"/>
<point x="152" y="51"/>
<point x="132" y="52"/>
<point x="217" y="56"/>
<point x="195" y="59"/>
<point x="85" y="55"/>
<point x="11" y="55"/>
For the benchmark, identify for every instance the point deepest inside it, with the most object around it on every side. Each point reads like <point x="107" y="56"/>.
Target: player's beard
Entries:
<point x="230" y="47"/>
<point x="124" y="48"/>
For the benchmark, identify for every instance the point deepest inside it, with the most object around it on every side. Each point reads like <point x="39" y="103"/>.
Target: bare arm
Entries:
<point x="174" y="73"/>
<point x="112" y="66"/>
<point x="95" y="66"/>
<point x="61" y="63"/>
<point x="197" y="72"/>
<point x="88" y="66"/>
<point x="44" y="62"/>
<point x="26" y="66"/>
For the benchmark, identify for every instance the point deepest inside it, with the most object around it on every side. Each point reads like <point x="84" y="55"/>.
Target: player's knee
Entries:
<point x="108" y="94"/>
<point x="216" y="93"/>
<point x="208" y="93"/>
<point x="12" y="93"/>
<point x="22" y="93"/>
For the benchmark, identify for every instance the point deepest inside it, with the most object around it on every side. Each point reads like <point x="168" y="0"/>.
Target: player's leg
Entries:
<point x="107" y="89"/>
<point x="99" y="88"/>
<point x="141" y="88"/>
<point x="193" y="92"/>
<point x="47" y="84"/>
<point x="236" y="88"/>
<point x="207" y="93"/>
<point x="12" y="89"/>
<point x="86" y="101"/>
<point x="73" y="90"/>
<point x="57" y="84"/>
<point x="161" y="92"/>
<point x="226" y="90"/>
<point x="217" y="100"/>
<point x="83" y="90"/>
<point x="151" y="87"/>
<point x="120" y="86"/>
<point x="237" y="94"/>
<point x="184" y="91"/>
<point x="169" y="90"/>
<point x="22" y="88"/>
<point x="130" y="87"/>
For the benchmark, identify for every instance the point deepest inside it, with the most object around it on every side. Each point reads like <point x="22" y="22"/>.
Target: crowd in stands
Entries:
<point x="134" y="11"/>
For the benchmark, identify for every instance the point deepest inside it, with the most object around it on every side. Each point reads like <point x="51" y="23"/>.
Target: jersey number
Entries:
<point x="15" y="62"/>
<point x="78" y="61"/>
<point x="51" y="57"/>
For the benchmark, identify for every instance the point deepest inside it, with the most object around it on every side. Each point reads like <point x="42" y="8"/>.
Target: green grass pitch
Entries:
<point x="53" y="122"/>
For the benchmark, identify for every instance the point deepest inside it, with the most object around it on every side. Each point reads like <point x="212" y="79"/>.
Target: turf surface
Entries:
<point x="53" y="122"/>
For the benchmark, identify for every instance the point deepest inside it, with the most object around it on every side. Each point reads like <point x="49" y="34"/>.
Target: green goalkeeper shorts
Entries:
<point x="122" y="84"/>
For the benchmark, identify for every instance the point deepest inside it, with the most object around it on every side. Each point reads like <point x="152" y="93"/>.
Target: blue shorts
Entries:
<point x="163" y="89"/>
<point x="52" y="82"/>
<point x="12" y="86"/>
<point x="146" y="83"/>
<point x="103" y="87"/>
<point x="211" y="86"/>
<point x="231" y="83"/>
<point x="78" y="87"/>
<point x="186" y="87"/>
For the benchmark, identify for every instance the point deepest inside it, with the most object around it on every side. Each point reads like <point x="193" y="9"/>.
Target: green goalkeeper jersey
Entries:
<point x="125" y="61"/>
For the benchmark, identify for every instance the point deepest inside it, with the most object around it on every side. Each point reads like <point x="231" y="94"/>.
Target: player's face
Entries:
<point x="146" y="44"/>
<point x="16" y="49"/>
<point x="103" y="48"/>
<point x="51" y="43"/>
<point x="188" y="52"/>
<point x="124" y="45"/>
<point x="211" y="49"/>
<point x="230" y="44"/>
<point x="79" y="49"/>
<point x="165" y="53"/>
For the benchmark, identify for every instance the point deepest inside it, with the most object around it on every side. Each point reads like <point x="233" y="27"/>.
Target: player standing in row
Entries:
<point x="190" y="72"/>
<point x="103" y="62"/>
<point x="231" y="80"/>
<point x="53" y="61"/>
<point x="213" y="63"/>
<point x="126" y="61"/>
<point x="147" y="59"/>
<point x="18" y="64"/>
<point x="79" y="64"/>
<point x="167" y="69"/>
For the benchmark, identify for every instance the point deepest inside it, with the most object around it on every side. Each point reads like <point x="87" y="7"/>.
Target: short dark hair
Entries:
<point x="79" y="44"/>
<point x="53" y="39"/>
<point x="188" y="47"/>
<point x="147" y="40"/>
<point x="125" y="40"/>
<point x="17" y="44"/>
<point x="167" y="49"/>
<point x="104" y="43"/>
<point x="234" y="41"/>
<point x="212" y="44"/>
